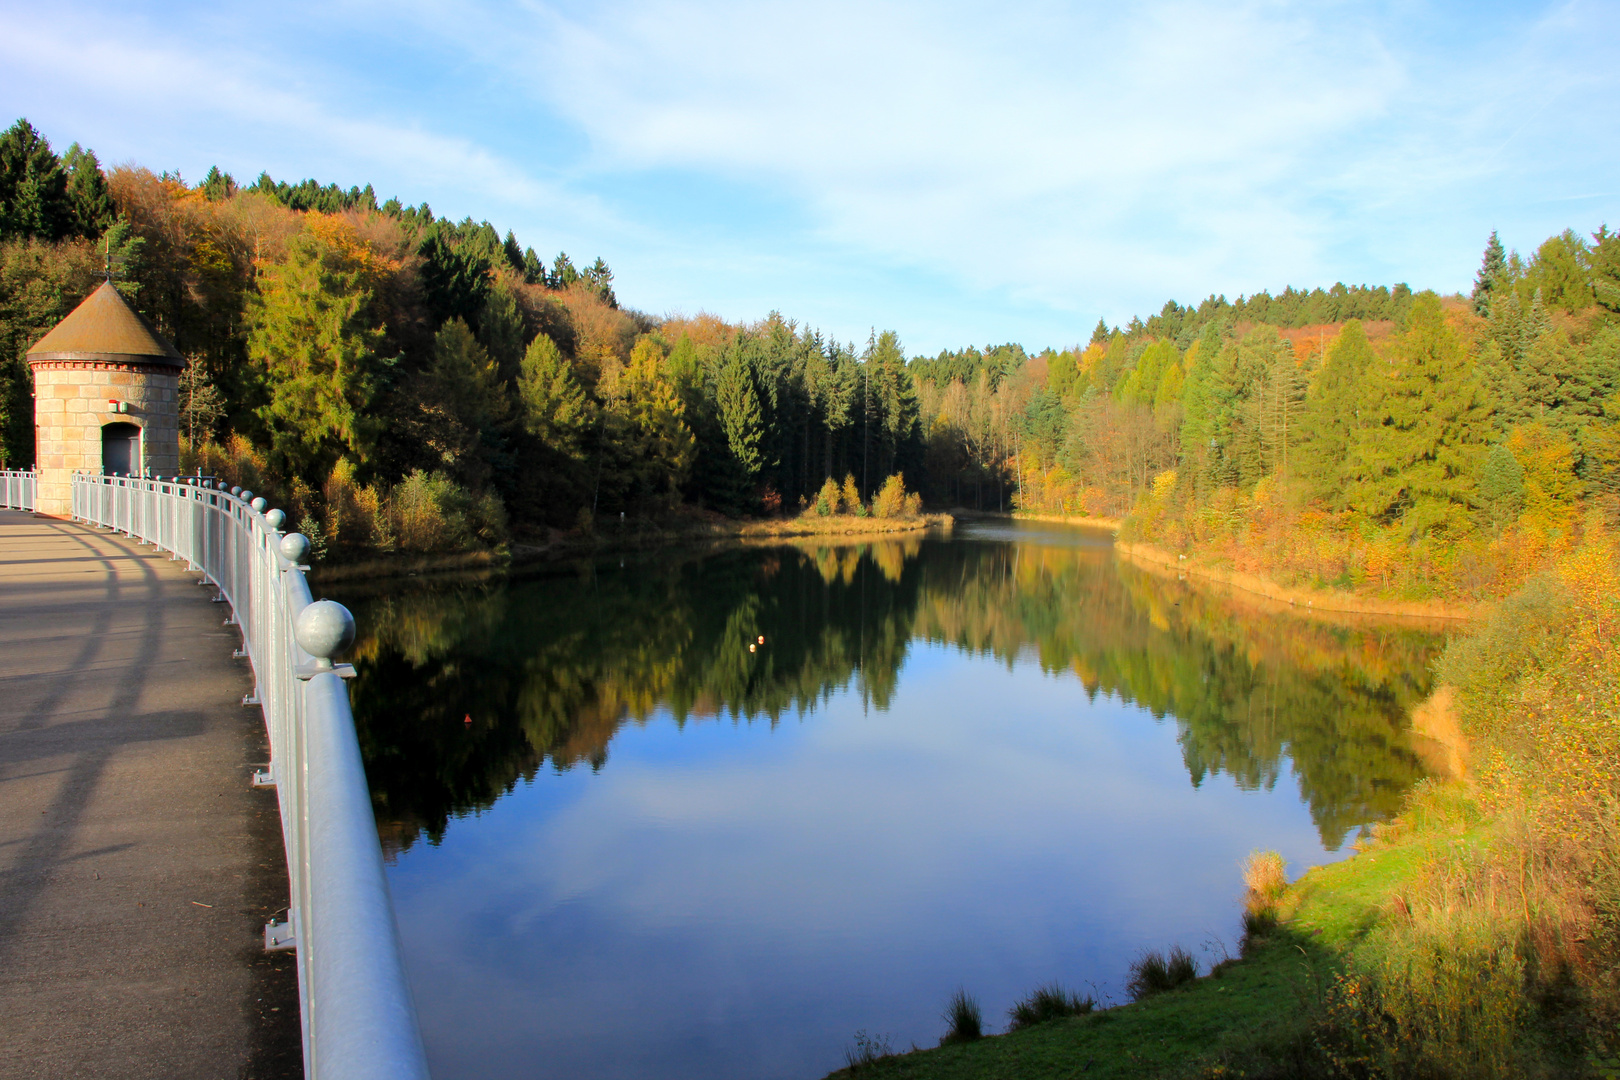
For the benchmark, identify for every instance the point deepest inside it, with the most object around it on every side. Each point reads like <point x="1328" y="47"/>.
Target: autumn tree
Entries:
<point x="313" y="338"/>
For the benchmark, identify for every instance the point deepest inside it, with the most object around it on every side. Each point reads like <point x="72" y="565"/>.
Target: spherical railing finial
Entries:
<point x="258" y="504"/>
<point x="275" y="519"/>
<point x="247" y="496"/>
<point x="235" y="490"/>
<point x="293" y="547"/>
<point x="324" y="629"/>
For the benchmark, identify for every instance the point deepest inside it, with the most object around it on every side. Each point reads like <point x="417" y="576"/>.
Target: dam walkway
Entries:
<point x="138" y="867"/>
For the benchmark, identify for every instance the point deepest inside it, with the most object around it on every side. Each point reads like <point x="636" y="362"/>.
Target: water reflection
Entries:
<point x="654" y="852"/>
<point x="465" y="690"/>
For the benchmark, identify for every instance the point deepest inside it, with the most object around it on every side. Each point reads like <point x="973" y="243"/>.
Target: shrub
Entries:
<point x="315" y="533"/>
<point x="851" y="497"/>
<point x="890" y="501"/>
<point x="868" y="1049"/>
<point x="1154" y="972"/>
<point x="1050" y="1002"/>
<point x="965" y="1020"/>
<point x="355" y="518"/>
<point x="1265" y="879"/>
<point x="430" y="512"/>
<point x="828" y="498"/>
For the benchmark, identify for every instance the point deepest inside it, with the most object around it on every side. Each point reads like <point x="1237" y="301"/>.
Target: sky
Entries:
<point x="959" y="173"/>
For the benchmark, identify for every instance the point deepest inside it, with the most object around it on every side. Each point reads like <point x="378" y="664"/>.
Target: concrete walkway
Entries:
<point x="137" y="865"/>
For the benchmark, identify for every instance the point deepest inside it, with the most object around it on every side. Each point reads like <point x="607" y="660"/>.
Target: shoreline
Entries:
<point x="1307" y="601"/>
<point x="634" y="536"/>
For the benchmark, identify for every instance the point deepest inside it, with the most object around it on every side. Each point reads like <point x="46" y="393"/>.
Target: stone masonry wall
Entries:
<point x="70" y="408"/>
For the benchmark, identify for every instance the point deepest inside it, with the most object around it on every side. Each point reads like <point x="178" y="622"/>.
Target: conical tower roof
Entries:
<point x="104" y="327"/>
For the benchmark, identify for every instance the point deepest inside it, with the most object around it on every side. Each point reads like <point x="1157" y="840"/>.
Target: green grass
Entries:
<point x="963" y="1019"/>
<point x="1261" y="1000"/>
<point x="1047" y="1003"/>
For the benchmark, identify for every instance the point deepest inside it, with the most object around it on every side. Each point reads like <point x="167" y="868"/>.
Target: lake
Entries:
<point x="710" y="813"/>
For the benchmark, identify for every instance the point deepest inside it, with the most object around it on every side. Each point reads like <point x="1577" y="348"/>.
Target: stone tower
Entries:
<point x="106" y="399"/>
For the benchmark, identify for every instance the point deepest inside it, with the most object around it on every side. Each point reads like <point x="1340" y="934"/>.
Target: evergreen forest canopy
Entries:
<point x="403" y="381"/>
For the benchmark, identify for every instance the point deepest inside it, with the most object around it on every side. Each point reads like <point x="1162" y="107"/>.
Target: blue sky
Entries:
<point x="960" y="173"/>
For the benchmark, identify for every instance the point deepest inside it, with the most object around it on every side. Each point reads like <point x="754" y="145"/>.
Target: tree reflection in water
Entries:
<point x="463" y="690"/>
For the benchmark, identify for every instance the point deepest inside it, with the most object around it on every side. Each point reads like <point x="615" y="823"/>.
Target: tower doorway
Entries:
<point x="121" y="449"/>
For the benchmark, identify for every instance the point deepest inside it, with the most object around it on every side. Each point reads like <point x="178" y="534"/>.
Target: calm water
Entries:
<point x="623" y="844"/>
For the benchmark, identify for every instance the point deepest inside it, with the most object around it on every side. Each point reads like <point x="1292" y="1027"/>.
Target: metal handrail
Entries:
<point x="359" y="1022"/>
<point x="16" y="490"/>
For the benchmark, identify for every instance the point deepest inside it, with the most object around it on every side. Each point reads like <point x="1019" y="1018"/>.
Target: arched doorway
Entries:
<point x="121" y="449"/>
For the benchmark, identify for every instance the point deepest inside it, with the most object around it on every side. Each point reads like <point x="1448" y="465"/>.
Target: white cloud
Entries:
<point x="954" y="171"/>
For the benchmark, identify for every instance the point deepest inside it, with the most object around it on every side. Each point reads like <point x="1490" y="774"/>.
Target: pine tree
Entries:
<point x="33" y="187"/>
<point x="514" y="253"/>
<point x="1417" y="459"/>
<point x="1606" y="269"/>
<point x="468" y="403"/>
<point x="601" y="279"/>
<point x="534" y="271"/>
<point x="563" y="273"/>
<point x="1198" y="449"/>
<point x="739" y="412"/>
<point x="1331" y="412"/>
<point x="898" y="430"/>
<point x="217" y="186"/>
<point x="554" y="408"/>
<point x="1501" y="486"/>
<point x="501" y="330"/>
<point x="1493" y="275"/>
<point x="455" y="279"/>
<point x="88" y="194"/>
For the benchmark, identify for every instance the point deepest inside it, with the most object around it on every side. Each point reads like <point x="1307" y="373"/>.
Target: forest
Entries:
<point x="405" y="382"/>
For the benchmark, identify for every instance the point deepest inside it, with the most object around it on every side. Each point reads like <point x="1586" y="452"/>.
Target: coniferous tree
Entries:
<point x="646" y="446"/>
<point x="501" y="330"/>
<point x="601" y="279"/>
<point x="554" y="408"/>
<point x="1493" y="275"/>
<point x="737" y="408"/>
<point x="1332" y="409"/>
<point x="534" y="271"/>
<point x="1560" y="272"/>
<point x="217" y="186"/>
<point x="1417" y="460"/>
<point x="563" y="272"/>
<point x="1501" y="486"/>
<point x="1606" y="269"/>
<point x="314" y="340"/>
<point x="1198" y="450"/>
<point x="467" y="400"/>
<point x="513" y="253"/>
<point x="92" y="202"/>
<point x="455" y="279"/>
<point x="33" y="187"/>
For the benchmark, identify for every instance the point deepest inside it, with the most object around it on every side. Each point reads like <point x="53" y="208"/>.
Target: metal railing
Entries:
<point x="16" y="490"/>
<point x="359" y="1022"/>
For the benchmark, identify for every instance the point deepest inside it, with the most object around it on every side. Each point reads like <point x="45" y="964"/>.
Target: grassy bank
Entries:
<point x="1331" y="600"/>
<point x="1476" y="935"/>
<point x="1229" y="1016"/>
